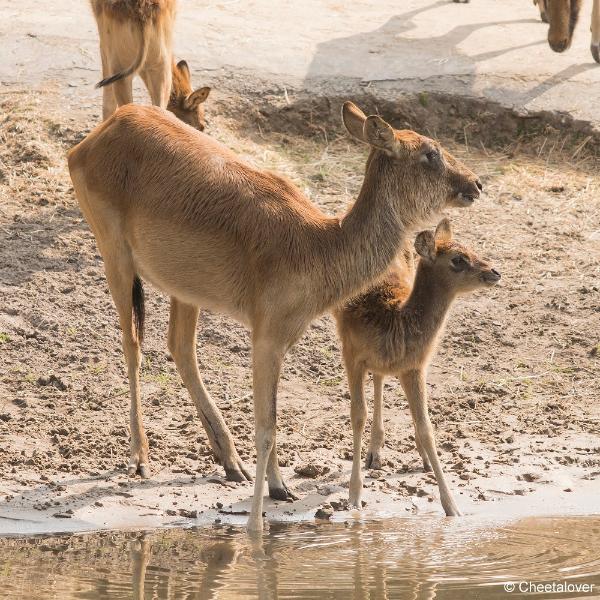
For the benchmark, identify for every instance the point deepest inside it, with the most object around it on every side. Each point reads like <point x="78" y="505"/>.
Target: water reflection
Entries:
<point x="401" y="558"/>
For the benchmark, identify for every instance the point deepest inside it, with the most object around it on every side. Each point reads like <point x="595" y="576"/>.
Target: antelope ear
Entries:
<point x="425" y="245"/>
<point x="185" y="70"/>
<point x="443" y="232"/>
<point x="354" y="120"/>
<point x="196" y="98"/>
<point x="380" y="134"/>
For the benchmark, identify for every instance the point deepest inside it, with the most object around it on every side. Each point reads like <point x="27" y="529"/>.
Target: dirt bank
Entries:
<point x="513" y="389"/>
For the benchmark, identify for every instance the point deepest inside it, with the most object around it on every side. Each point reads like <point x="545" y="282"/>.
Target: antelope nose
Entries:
<point x="492" y="276"/>
<point x="560" y="45"/>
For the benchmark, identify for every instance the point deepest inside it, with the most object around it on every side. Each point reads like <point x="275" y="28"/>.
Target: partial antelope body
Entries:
<point x="562" y="16"/>
<point x="136" y="37"/>
<point x="393" y="330"/>
<point x="172" y="206"/>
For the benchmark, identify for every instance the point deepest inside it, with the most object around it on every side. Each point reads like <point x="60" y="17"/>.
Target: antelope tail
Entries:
<point x="139" y="59"/>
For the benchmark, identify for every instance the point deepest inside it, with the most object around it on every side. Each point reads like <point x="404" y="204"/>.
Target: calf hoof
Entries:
<point x="373" y="461"/>
<point x="595" y="49"/>
<point x="282" y="493"/>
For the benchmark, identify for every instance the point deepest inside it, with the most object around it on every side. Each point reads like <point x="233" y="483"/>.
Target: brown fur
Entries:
<point x="392" y="329"/>
<point x="178" y="209"/>
<point x="136" y="36"/>
<point x="140" y="11"/>
<point x="562" y="17"/>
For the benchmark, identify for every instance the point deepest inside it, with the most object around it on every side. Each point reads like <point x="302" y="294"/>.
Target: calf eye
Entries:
<point x="431" y="158"/>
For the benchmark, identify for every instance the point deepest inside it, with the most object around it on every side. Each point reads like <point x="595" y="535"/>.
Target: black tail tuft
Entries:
<point x="112" y="79"/>
<point x="139" y="312"/>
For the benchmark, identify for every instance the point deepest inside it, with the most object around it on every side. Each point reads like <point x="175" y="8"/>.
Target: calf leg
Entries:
<point x="278" y="490"/>
<point x="358" y="416"/>
<point x="377" y="432"/>
<point x="422" y="452"/>
<point x="414" y="386"/>
<point x="182" y="345"/>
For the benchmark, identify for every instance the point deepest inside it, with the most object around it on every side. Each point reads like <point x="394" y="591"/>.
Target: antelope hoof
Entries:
<point x="427" y="467"/>
<point x="595" y="48"/>
<point x="461" y="1"/>
<point x="136" y="467"/>
<point x="282" y="493"/>
<point x="544" y="16"/>
<point x="373" y="460"/>
<point x="237" y="473"/>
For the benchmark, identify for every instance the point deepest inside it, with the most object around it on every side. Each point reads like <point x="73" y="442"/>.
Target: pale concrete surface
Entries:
<point x="489" y="48"/>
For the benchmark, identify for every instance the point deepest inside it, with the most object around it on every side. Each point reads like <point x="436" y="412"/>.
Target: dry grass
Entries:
<point x="518" y="359"/>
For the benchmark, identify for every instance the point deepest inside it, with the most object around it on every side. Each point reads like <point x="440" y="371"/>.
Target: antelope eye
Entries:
<point x="459" y="263"/>
<point x="432" y="155"/>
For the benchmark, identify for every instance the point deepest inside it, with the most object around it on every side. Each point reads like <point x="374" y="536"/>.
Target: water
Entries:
<point x="392" y="558"/>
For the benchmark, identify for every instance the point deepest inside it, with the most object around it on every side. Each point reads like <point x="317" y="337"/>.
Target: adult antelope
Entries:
<point x="173" y="206"/>
<point x="562" y="16"/>
<point x="393" y="329"/>
<point x="136" y="37"/>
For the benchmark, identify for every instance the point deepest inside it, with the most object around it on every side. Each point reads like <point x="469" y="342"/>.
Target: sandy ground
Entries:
<point x="489" y="49"/>
<point x="513" y="390"/>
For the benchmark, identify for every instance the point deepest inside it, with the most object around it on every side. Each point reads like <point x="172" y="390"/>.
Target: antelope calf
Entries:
<point x="170" y="205"/>
<point x="136" y="37"/>
<point x="393" y="329"/>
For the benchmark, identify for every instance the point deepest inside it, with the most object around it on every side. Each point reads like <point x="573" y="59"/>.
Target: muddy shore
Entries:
<point x="513" y="390"/>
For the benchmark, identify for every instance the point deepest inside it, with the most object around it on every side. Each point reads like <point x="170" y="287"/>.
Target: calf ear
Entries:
<point x="380" y="134"/>
<point x="354" y="120"/>
<point x="425" y="245"/>
<point x="196" y="98"/>
<point x="185" y="70"/>
<point x="443" y="232"/>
